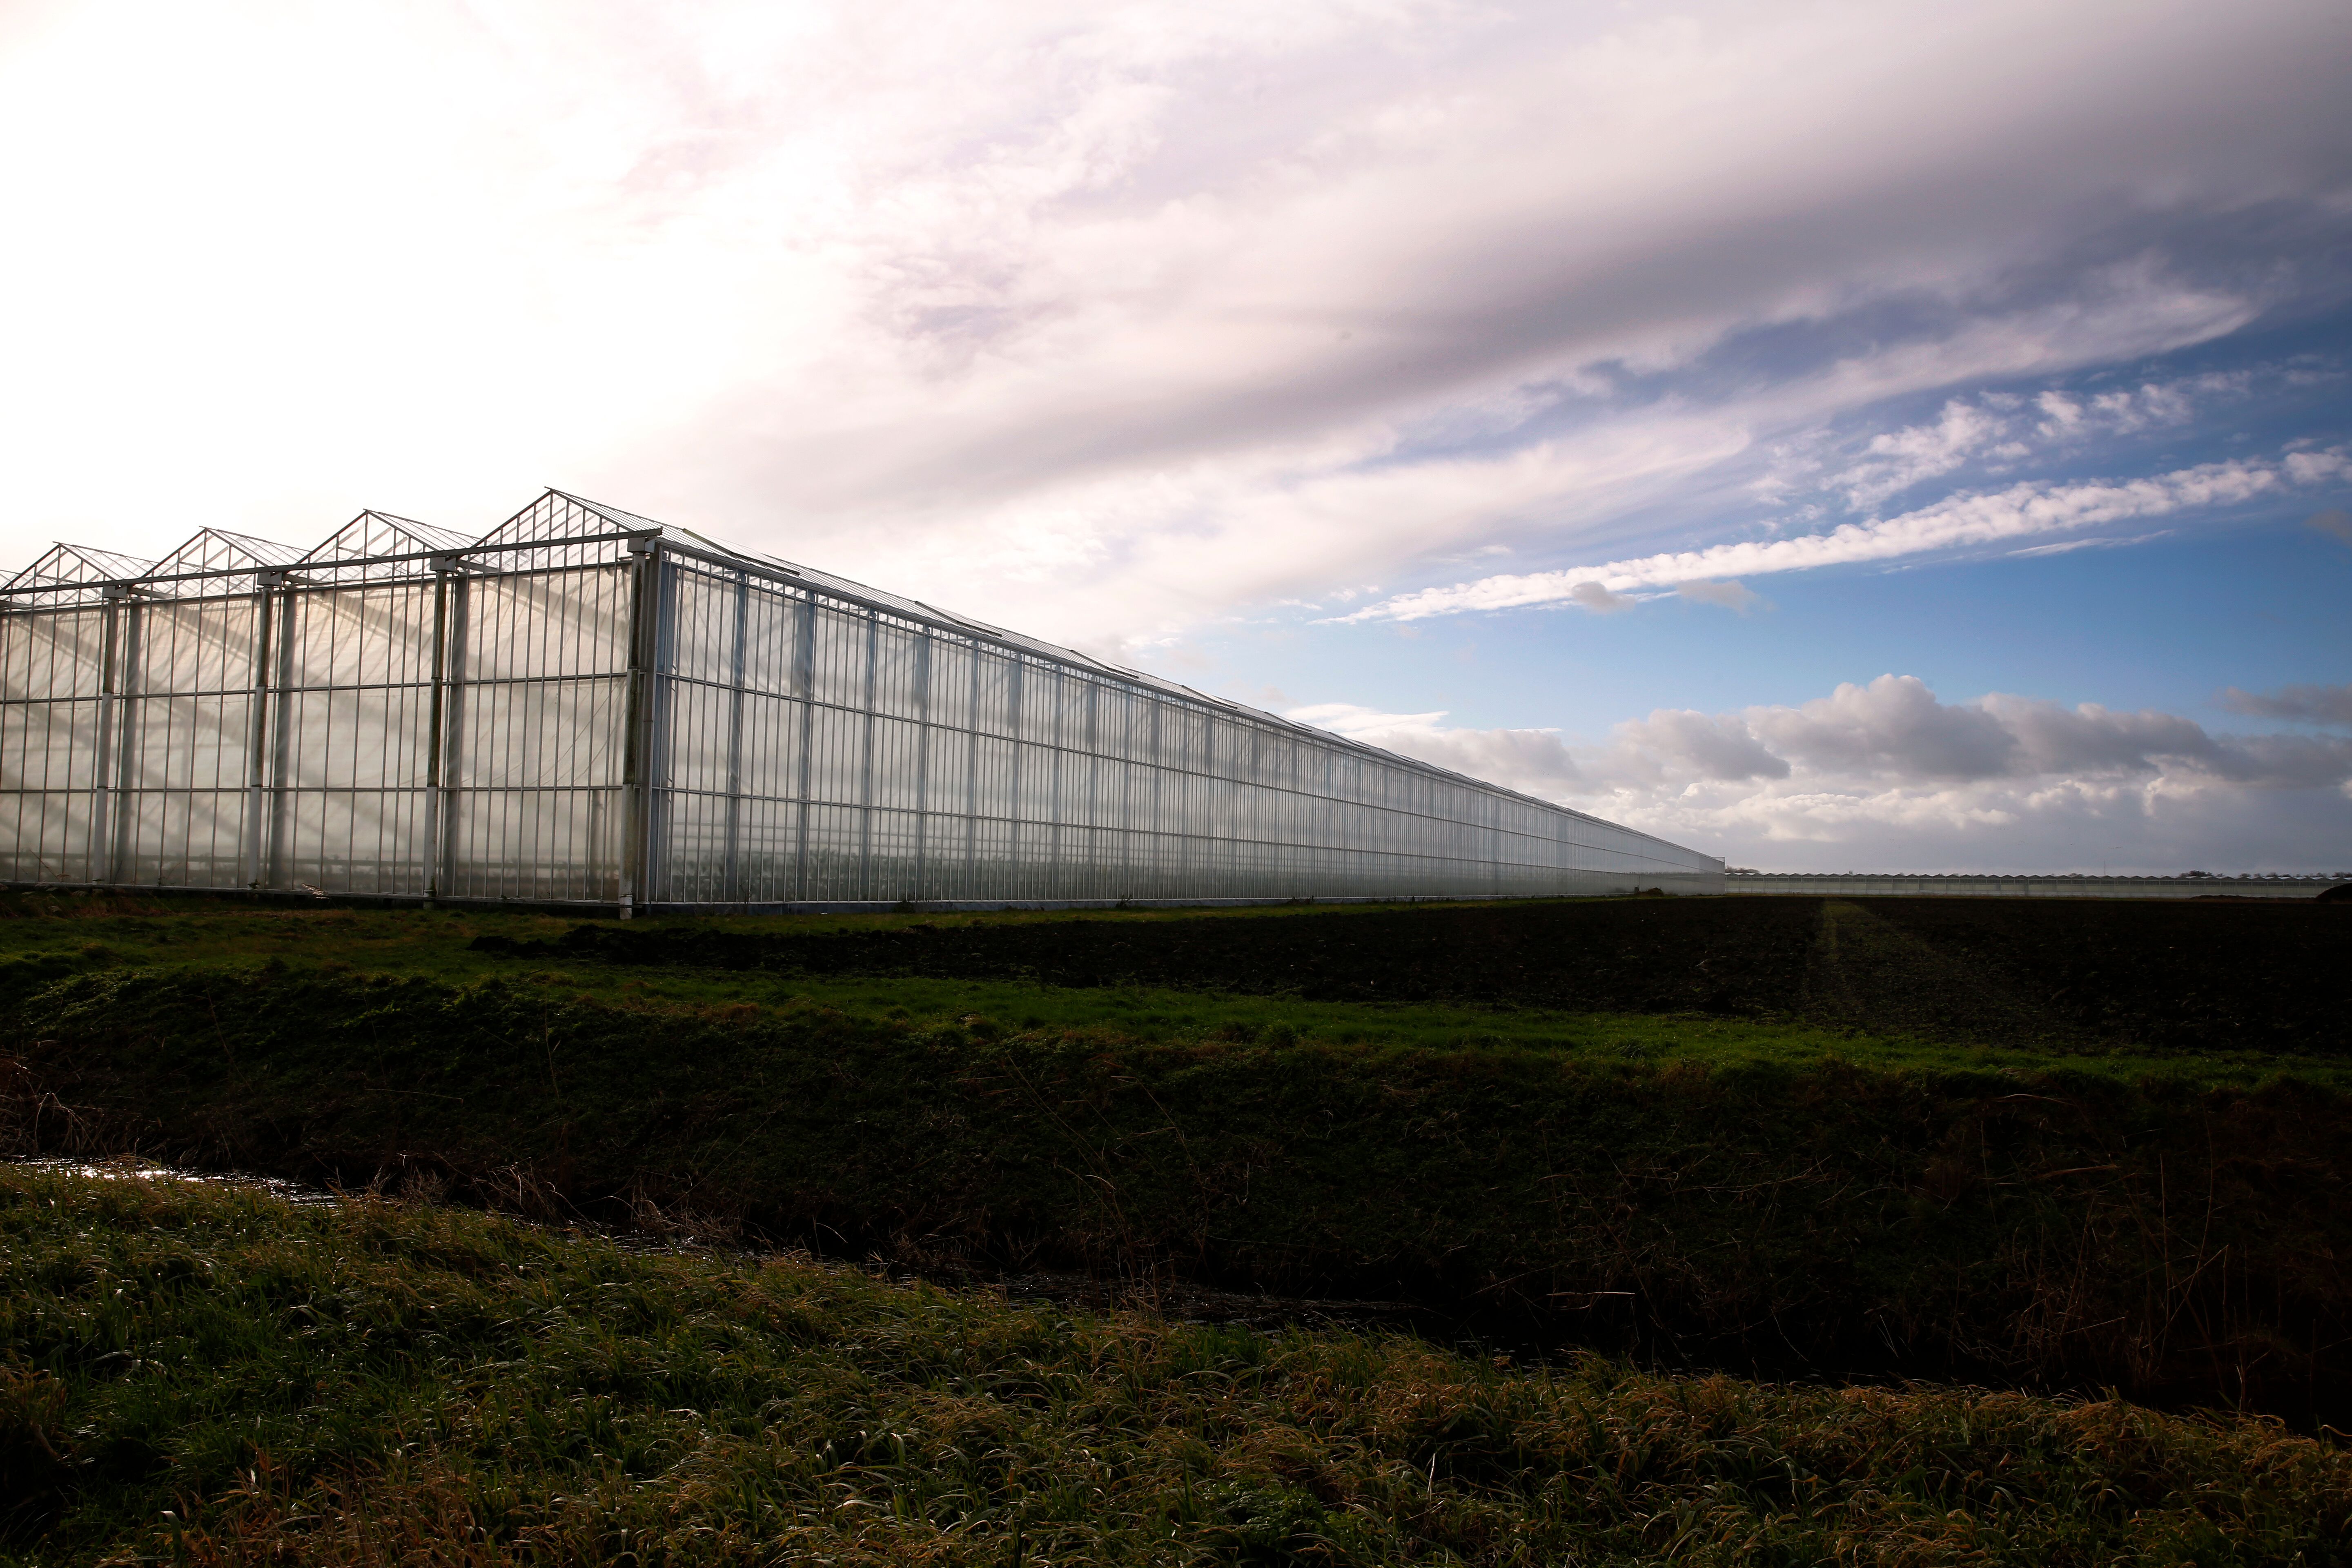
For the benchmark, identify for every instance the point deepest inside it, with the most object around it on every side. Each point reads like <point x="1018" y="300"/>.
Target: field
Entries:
<point x="213" y="1376"/>
<point x="1660" y="1154"/>
<point x="2151" y="981"/>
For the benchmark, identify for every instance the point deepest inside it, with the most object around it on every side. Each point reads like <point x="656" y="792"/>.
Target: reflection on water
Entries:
<point x="140" y="1171"/>
<point x="1177" y="1300"/>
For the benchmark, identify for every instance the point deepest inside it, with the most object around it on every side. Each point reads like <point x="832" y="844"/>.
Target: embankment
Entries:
<point x="211" y="1376"/>
<point x="2177" y="1243"/>
<point x="2161" y="977"/>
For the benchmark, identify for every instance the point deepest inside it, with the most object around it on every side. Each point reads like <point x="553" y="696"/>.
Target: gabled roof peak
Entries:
<point x="218" y="550"/>
<point x="611" y="514"/>
<point x="383" y="534"/>
<point x="68" y="564"/>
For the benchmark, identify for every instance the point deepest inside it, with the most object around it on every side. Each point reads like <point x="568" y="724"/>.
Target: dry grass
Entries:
<point x="211" y="1375"/>
<point x="2183" y="1245"/>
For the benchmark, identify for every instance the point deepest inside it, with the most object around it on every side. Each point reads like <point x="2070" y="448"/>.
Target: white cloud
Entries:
<point x="1535" y="762"/>
<point x="1347" y="719"/>
<point x="2019" y="512"/>
<point x="2061" y="415"/>
<point x="2068" y="546"/>
<point x="1901" y="458"/>
<point x="1886" y="775"/>
<point x="1104" y="319"/>
<point x="1988" y="426"/>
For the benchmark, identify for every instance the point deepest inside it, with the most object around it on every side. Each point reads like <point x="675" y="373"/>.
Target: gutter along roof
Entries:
<point x="564" y="530"/>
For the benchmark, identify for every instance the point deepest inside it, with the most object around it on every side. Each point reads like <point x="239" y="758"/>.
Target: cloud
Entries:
<point x="1901" y="458"/>
<point x="1991" y="426"/>
<point x="2068" y="546"/>
<point x="1675" y="743"/>
<point x="1892" y="728"/>
<point x="2333" y="522"/>
<point x="1731" y="595"/>
<point x="1347" y="719"/>
<point x="2019" y="512"/>
<point x="2312" y="704"/>
<point x="1895" y="731"/>
<point x="1885" y="774"/>
<point x="1996" y="432"/>
<point x="1108" y="321"/>
<point x="1535" y="762"/>
<point x="1599" y="600"/>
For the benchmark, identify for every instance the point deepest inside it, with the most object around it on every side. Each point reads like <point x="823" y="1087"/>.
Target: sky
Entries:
<point x="1831" y="436"/>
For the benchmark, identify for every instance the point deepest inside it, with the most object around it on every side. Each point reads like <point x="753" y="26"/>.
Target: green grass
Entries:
<point x="1143" y="1013"/>
<point x="2065" y="1209"/>
<point x="2183" y="1242"/>
<point x="207" y="1375"/>
<point x="198" y="936"/>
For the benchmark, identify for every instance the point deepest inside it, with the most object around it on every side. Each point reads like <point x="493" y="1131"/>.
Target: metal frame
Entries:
<point x="589" y="706"/>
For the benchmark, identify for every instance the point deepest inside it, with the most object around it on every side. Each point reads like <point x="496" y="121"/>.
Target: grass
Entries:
<point x="1803" y="1135"/>
<point x="58" y="932"/>
<point x="206" y="1375"/>
<point x="2183" y="1242"/>
<point x="2160" y="979"/>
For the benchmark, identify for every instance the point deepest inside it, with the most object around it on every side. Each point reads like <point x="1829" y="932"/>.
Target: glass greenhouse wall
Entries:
<point x="587" y="707"/>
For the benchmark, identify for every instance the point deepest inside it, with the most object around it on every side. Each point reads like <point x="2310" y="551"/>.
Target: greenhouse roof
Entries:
<point x="556" y="529"/>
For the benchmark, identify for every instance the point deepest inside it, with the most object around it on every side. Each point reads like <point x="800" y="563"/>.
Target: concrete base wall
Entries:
<point x="1875" y="886"/>
<point x="1588" y="885"/>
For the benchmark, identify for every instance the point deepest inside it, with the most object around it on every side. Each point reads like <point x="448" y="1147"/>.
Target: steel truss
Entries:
<point x="587" y="707"/>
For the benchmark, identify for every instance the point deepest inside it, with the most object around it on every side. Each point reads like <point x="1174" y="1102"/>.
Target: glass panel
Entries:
<point x="898" y="669"/>
<point x="837" y="755"/>
<point x="839" y="658"/>
<point x="795" y="749"/>
<point x="771" y="624"/>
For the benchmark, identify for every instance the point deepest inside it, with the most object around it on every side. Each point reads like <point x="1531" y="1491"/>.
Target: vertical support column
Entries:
<point x="922" y="761"/>
<point x="636" y="763"/>
<point x="1249" y="813"/>
<point x="1090" y="796"/>
<point x="1507" y="844"/>
<point x="1055" y="753"/>
<point x="452" y="732"/>
<point x="804" y="687"/>
<point x="276" y="872"/>
<point x="1203" y="803"/>
<point x="971" y="784"/>
<point x="98" y="851"/>
<point x="126" y="759"/>
<point x="657" y="770"/>
<point x="731" y="872"/>
<point x="866" y="880"/>
<point x="1494" y="848"/>
<point x="434" y="717"/>
<point x="1013" y="693"/>
<point x="257" y="741"/>
<point x="1155" y="822"/>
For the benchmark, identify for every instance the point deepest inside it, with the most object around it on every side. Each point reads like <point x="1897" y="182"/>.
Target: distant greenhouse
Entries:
<point x="586" y="707"/>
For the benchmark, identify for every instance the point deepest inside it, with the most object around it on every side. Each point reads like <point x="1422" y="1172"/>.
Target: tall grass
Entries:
<point x="57" y="933"/>
<point x="2183" y="1245"/>
<point x="203" y="1376"/>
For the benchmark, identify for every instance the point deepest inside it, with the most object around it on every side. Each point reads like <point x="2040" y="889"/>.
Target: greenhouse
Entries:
<point x="586" y="707"/>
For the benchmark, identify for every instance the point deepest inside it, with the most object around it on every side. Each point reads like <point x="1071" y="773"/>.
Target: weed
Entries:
<point x="2179" y="1242"/>
<point x="212" y="1375"/>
